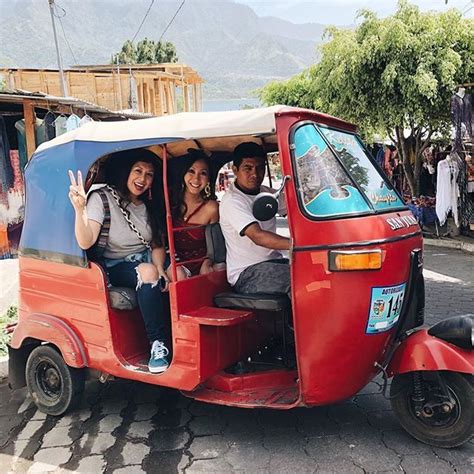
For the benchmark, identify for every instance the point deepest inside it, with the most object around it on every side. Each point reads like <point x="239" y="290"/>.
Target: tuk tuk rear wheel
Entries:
<point x="54" y="386"/>
<point x="438" y="423"/>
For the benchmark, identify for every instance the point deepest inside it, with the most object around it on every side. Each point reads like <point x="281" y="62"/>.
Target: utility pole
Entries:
<point x="64" y="90"/>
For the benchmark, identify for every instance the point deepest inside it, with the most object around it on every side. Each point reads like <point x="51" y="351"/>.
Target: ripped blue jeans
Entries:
<point x="149" y="295"/>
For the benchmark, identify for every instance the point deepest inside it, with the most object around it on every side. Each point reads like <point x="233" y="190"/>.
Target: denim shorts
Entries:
<point x="140" y="257"/>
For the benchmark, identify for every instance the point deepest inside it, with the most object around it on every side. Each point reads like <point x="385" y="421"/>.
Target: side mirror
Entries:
<point x="265" y="205"/>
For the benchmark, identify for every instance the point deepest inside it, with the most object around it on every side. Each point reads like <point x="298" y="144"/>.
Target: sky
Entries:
<point x="343" y="12"/>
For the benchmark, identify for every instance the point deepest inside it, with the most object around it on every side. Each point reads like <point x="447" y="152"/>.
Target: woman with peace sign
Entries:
<point x="134" y="255"/>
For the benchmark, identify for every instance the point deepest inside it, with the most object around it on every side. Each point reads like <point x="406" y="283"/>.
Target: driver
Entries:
<point x="254" y="261"/>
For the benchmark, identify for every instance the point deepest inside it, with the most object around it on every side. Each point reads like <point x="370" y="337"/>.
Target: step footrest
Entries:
<point x="212" y="316"/>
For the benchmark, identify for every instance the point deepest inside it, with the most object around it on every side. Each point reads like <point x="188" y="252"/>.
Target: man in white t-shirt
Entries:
<point x="254" y="261"/>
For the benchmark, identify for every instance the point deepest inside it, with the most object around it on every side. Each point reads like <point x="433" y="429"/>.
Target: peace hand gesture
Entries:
<point x="77" y="195"/>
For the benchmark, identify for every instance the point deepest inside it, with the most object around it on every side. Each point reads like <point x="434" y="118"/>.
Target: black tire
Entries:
<point x="440" y="429"/>
<point x="54" y="386"/>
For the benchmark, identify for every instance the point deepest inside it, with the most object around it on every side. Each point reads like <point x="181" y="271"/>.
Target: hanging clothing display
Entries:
<point x="60" y="125"/>
<point x="49" y="119"/>
<point x="85" y="120"/>
<point x="447" y="190"/>
<point x="461" y="117"/>
<point x="41" y="135"/>
<point x="6" y="172"/>
<point x="72" y="122"/>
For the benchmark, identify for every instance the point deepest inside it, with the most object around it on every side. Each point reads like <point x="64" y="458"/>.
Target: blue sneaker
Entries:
<point x="158" y="362"/>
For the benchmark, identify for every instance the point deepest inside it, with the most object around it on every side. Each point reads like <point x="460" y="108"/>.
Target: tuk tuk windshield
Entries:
<point x="335" y="175"/>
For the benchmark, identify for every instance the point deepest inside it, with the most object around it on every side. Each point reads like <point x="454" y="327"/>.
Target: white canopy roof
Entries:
<point x="186" y="125"/>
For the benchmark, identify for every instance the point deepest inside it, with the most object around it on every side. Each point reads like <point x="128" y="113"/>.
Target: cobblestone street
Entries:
<point x="131" y="427"/>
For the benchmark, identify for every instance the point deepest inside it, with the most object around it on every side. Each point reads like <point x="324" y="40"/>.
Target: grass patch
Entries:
<point x="9" y="317"/>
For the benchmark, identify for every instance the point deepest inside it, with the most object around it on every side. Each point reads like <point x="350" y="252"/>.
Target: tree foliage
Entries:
<point x="146" y="52"/>
<point x="395" y="75"/>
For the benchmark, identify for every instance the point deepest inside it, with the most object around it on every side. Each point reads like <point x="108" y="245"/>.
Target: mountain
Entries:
<point x="234" y="50"/>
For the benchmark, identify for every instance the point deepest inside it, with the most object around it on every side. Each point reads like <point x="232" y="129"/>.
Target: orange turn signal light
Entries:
<point x="343" y="261"/>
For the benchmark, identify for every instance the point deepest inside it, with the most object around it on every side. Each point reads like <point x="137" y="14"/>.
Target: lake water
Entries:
<point x="222" y="105"/>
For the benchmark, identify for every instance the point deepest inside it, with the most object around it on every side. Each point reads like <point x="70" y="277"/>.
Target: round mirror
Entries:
<point x="265" y="207"/>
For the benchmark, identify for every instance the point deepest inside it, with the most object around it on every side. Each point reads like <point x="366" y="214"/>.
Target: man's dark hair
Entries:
<point x="248" y="150"/>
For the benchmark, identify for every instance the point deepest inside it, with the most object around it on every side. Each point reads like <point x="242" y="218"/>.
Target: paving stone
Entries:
<point x="372" y="402"/>
<point x="371" y="388"/>
<point x="403" y="444"/>
<point x="134" y="453"/>
<point x="57" y="437"/>
<point x="465" y="469"/>
<point x="384" y="420"/>
<point x="27" y="403"/>
<point x="91" y="464"/>
<point x="203" y="409"/>
<point x="288" y="453"/>
<point x="146" y="394"/>
<point x="109" y="423"/>
<point x="30" y="429"/>
<point x="39" y="415"/>
<point x="277" y="420"/>
<point x="208" y="447"/>
<point x="135" y="469"/>
<point x="114" y="406"/>
<point x="425" y="464"/>
<point x="247" y="455"/>
<point x="171" y="418"/>
<point x="347" y="413"/>
<point x="169" y="461"/>
<point x="102" y="442"/>
<point x="461" y="456"/>
<point x="46" y="459"/>
<point x="8" y="424"/>
<point x="211" y="465"/>
<point x="315" y="422"/>
<point x="239" y="420"/>
<point x="140" y="429"/>
<point x="207" y="425"/>
<point x="169" y="440"/>
<point x="329" y="449"/>
<point x="145" y="411"/>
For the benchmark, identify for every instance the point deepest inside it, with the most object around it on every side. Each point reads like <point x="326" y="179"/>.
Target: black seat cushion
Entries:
<point x="260" y="301"/>
<point x="215" y="243"/>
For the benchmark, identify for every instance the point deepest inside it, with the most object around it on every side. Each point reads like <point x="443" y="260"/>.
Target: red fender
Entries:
<point x="47" y="328"/>
<point x="420" y="351"/>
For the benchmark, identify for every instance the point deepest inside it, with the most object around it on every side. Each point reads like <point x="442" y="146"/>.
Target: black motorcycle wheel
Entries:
<point x="53" y="385"/>
<point x="437" y="424"/>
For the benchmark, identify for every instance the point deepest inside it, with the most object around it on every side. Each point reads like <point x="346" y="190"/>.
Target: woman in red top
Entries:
<point x="192" y="210"/>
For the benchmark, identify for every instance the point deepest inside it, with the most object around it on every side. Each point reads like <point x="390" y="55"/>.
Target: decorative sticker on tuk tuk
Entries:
<point x="385" y="308"/>
<point x="352" y="154"/>
<point x="324" y="187"/>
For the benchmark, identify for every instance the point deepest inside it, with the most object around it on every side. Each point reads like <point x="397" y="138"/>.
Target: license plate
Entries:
<point x="385" y="307"/>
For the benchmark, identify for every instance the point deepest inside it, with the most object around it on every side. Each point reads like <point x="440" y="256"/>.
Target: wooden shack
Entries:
<point x="157" y="89"/>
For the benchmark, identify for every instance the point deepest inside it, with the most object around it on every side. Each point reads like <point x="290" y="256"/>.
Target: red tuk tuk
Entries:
<point x="356" y="271"/>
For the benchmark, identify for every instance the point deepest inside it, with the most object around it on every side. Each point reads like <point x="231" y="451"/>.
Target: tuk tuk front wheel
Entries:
<point x="54" y="386"/>
<point x="435" y="408"/>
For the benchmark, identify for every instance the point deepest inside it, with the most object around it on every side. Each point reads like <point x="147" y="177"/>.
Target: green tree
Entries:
<point x="395" y="75"/>
<point x="146" y="52"/>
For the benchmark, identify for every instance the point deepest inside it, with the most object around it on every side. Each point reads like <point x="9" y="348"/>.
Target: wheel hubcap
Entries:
<point x="48" y="379"/>
<point x="437" y="412"/>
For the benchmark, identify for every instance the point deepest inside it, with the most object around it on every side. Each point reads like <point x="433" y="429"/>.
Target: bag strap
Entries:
<point x="105" y="229"/>
<point x="126" y="215"/>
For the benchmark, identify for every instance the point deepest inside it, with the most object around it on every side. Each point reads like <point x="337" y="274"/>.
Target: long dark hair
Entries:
<point x="178" y="206"/>
<point x="117" y="171"/>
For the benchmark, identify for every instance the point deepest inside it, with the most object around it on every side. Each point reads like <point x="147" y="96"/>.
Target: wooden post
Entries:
<point x="30" y="120"/>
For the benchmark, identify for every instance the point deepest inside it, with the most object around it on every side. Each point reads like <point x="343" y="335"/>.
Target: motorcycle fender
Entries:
<point x="47" y="328"/>
<point x="420" y="351"/>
